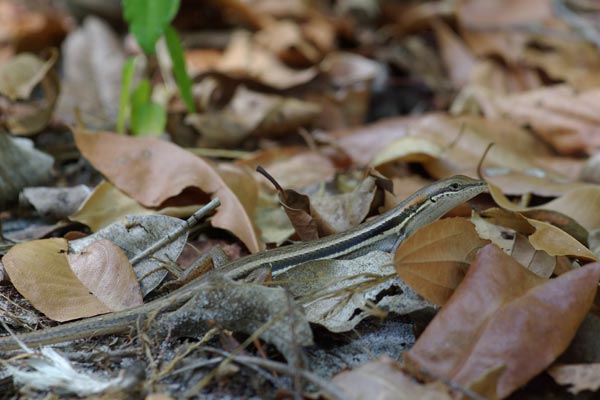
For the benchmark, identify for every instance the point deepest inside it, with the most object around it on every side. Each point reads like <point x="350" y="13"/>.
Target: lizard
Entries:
<point x="384" y="232"/>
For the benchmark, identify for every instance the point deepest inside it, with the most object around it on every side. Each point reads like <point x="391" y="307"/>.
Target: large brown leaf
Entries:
<point x="503" y="318"/>
<point x="434" y="260"/>
<point x="40" y="271"/>
<point x="152" y="171"/>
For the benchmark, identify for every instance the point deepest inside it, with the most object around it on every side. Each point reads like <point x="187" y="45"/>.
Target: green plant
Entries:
<point x="149" y="21"/>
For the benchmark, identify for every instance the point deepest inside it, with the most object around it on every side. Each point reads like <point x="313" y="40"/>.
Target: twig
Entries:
<point x="480" y="164"/>
<point x="174" y="234"/>
<point x="329" y="389"/>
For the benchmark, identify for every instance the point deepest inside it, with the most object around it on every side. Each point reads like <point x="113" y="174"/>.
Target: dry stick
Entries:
<point x="329" y="389"/>
<point x="177" y="232"/>
<point x="480" y="164"/>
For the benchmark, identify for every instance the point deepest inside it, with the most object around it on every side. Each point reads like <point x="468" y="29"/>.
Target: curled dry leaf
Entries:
<point x="152" y="171"/>
<point x="298" y="209"/>
<point x="26" y="114"/>
<point x="106" y="271"/>
<point x="40" y="271"/>
<point x="537" y="261"/>
<point x="409" y="149"/>
<point x="20" y="75"/>
<point x="107" y="204"/>
<point x="388" y="380"/>
<point x="557" y="242"/>
<point x="251" y="113"/>
<point x="496" y="320"/>
<point x="246" y="59"/>
<point x="434" y="260"/>
<point x="578" y="204"/>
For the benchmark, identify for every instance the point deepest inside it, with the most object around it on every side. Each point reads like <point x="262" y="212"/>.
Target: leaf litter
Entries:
<point x="321" y="96"/>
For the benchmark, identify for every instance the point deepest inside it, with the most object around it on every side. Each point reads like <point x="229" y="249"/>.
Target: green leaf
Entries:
<point x="127" y="78"/>
<point x="148" y="19"/>
<point x="147" y="118"/>
<point x="184" y="83"/>
<point x="141" y="94"/>
<point x="150" y="120"/>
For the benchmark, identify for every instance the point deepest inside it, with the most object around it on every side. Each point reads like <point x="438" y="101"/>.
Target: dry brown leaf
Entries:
<point x="106" y="205"/>
<point x="246" y="59"/>
<point x="502" y="237"/>
<point x="409" y="149"/>
<point x="448" y="145"/>
<point x="252" y="113"/>
<point x="508" y="219"/>
<point x="495" y="77"/>
<point x="200" y="61"/>
<point x="284" y="38"/>
<point x="457" y="57"/>
<point x="578" y="377"/>
<point x="293" y="167"/>
<point x="581" y="204"/>
<point x="537" y="261"/>
<point x="341" y="212"/>
<point x="385" y="379"/>
<point x="578" y="204"/>
<point x="297" y="207"/>
<point x="32" y="29"/>
<point x="489" y="27"/>
<point x="557" y="242"/>
<point x="434" y="259"/>
<point x="347" y="69"/>
<point x="566" y="119"/>
<point x="497" y="318"/>
<point x="106" y="271"/>
<point x="573" y="61"/>
<point x="40" y="271"/>
<point x="365" y="142"/>
<point x="152" y="171"/>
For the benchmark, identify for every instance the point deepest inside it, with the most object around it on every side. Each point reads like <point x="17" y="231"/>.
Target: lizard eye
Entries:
<point x="454" y="186"/>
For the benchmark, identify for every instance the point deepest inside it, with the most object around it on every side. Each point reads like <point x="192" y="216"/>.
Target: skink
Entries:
<point x="383" y="233"/>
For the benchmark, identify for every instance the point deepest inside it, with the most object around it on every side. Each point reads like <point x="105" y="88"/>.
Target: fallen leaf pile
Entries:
<point x="306" y="119"/>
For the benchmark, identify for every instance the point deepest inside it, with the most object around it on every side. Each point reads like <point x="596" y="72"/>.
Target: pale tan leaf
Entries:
<point x="385" y="379"/>
<point x="40" y="271"/>
<point x="106" y="271"/>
